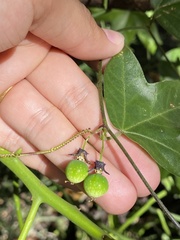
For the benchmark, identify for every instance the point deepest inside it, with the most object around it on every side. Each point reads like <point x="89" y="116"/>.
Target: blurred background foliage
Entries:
<point x="152" y="31"/>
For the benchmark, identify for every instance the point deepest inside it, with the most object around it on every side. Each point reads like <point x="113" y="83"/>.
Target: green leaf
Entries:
<point x="168" y="16"/>
<point x="174" y="54"/>
<point x="128" y="22"/>
<point x="149" y="114"/>
<point x="155" y="3"/>
<point x="147" y="41"/>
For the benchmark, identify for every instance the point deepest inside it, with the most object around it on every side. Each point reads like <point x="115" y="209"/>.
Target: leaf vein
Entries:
<point x="154" y="141"/>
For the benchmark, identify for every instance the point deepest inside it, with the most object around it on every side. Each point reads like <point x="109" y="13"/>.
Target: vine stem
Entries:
<point x="18" y="153"/>
<point x="105" y="124"/>
<point x="18" y="205"/>
<point x="163" y="53"/>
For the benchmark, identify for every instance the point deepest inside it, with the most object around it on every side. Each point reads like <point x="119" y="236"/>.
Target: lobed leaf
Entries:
<point x="149" y="114"/>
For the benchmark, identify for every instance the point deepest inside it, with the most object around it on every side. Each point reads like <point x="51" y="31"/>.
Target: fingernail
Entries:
<point x="115" y="37"/>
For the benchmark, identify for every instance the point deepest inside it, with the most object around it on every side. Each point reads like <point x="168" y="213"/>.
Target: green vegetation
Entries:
<point x="142" y="93"/>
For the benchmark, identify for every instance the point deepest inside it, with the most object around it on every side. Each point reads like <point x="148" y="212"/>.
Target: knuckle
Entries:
<point x="73" y="99"/>
<point x="37" y="122"/>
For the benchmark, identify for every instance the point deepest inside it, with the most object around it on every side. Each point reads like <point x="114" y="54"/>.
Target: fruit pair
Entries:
<point x="95" y="184"/>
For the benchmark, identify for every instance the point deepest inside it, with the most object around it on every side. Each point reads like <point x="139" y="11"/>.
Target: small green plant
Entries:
<point x="147" y="113"/>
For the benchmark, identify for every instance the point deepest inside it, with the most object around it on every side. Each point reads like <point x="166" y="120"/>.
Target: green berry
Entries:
<point x="96" y="185"/>
<point x="76" y="171"/>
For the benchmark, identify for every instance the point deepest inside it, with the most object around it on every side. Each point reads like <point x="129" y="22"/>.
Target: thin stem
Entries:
<point x="163" y="222"/>
<point x="18" y="210"/>
<point x="100" y="92"/>
<point x="86" y="140"/>
<point x="91" y="133"/>
<point x="102" y="148"/>
<point x="164" y="54"/>
<point x="42" y="152"/>
<point x="105" y="4"/>
<point x="30" y="219"/>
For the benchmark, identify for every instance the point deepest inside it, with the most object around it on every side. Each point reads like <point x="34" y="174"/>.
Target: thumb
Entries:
<point x="69" y="26"/>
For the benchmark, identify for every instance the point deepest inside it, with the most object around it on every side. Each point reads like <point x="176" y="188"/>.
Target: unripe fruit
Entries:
<point x="96" y="185"/>
<point x="76" y="171"/>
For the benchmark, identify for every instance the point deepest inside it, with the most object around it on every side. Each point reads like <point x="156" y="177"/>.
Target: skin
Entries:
<point x="51" y="98"/>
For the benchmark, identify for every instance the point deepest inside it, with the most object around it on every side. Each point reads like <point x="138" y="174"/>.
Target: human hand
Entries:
<point x="51" y="98"/>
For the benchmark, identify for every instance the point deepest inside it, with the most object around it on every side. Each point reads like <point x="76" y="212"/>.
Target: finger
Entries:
<point x="44" y="126"/>
<point x="12" y="141"/>
<point x="66" y="25"/>
<point x="17" y="63"/>
<point x="77" y="35"/>
<point x="72" y="92"/>
<point x="15" y="21"/>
